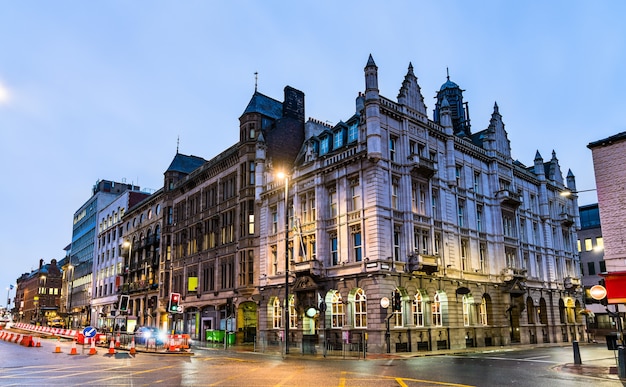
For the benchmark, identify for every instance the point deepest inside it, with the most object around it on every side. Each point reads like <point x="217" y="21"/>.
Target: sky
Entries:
<point x="108" y="90"/>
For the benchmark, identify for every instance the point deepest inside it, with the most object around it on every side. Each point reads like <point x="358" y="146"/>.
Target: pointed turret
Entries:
<point x="554" y="170"/>
<point x="410" y="93"/>
<point x="571" y="181"/>
<point x="371" y="79"/>
<point x="496" y="127"/>
<point x="372" y="111"/>
<point x="539" y="167"/>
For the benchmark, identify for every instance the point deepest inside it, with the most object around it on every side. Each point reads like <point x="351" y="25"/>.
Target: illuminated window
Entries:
<point x="436" y="311"/>
<point x="599" y="243"/>
<point x="293" y="315"/>
<point x="337" y="315"/>
<point x="467" y="309"/>
<point x="277" y="314"/>
<point x="418" y="310"/>
<point x="360" y="309"/>
<point x="483" y="312"/>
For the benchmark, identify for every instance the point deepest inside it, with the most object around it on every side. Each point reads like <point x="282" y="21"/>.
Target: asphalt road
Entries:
<point x="23" y="366"/>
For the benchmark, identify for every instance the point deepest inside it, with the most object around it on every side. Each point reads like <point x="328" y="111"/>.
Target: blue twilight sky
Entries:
<point x="95" y="90"/>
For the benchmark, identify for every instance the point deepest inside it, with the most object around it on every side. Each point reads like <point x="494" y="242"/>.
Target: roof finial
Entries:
<point x="177" y="143"/>
<point x="256" y="80"/>
<point x="447" y="73"/>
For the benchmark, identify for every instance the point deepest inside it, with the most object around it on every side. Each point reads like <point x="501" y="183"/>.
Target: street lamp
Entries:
<point x="282" y="175"/>
<point x="569" y="192"/>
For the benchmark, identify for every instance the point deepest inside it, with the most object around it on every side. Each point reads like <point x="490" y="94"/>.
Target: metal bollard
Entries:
<point x="577" y="359"/>
<point x="621" y="362"/>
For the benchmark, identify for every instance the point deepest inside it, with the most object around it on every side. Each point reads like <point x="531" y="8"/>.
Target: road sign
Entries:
<point x="597" y="292"/>
<point x="89" y="332"/>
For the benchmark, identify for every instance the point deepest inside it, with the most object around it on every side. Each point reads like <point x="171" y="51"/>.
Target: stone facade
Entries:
<point x="480" y="248"/>
<point x="472" y="247"/>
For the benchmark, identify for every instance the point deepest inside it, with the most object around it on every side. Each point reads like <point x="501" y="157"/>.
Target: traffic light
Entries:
<point x="397" y="301"/>
<point x="123" y="305"/>
<point x="174" y="306"/>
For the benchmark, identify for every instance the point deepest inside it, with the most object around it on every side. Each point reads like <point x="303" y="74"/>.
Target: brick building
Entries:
<point x="38" y="294"/>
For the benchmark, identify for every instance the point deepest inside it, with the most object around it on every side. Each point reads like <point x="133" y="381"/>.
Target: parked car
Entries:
<point x="143" y="334"/>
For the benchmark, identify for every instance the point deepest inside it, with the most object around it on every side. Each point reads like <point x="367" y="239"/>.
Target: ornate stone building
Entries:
<point x="471" y="247"/>
<point x="480" y="248"/>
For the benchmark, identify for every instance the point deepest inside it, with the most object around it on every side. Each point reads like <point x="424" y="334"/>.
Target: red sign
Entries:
<point x="615" y="284"/>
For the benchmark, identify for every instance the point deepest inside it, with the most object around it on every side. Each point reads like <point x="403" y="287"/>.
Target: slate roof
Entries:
<point x="185" y="164"/>
<point x="265" y="105"/>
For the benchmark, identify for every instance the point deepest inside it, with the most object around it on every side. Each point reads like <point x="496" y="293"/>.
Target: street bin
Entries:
<point x="611" y="341"/>
<point x="231" y="338"/>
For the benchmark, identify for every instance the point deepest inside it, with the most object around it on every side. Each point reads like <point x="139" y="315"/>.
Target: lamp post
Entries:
<point x="71" y="268"/>
<point x="128" y="244"/>
<point x="287" y="316"/>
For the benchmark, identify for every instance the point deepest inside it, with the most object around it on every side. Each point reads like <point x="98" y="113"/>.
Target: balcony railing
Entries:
<point x="508" y="197"/>
<point x="422" y="166"/>
<point x="571" y="282"/>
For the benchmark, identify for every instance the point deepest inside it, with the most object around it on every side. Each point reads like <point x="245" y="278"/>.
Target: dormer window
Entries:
<point x="324" y="146"/>
<point x="338" y="140"/>
<point x="353" y="132"/>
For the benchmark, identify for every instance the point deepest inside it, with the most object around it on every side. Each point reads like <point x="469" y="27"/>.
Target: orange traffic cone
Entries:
<point x="117" y="341"/>
<point x="58" y="347"/>
<point x="172" y="345"/>
<point x="133" y="351"/>
<point x="73" y="351"/>
<point x="112" y="347"/>
<point x="92" y="349"/>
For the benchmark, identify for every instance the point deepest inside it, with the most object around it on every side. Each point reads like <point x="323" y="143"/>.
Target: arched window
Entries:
<point x="418" y="310"/>
<point x="436" y="311"/>
<point x="467" y="310"/>
<point x="360" y="309"/>
<point x="337" y="314"/>
<point x="293" y="315"/>
<point x="277" y="314"/>
<point x="483" y="312"/>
